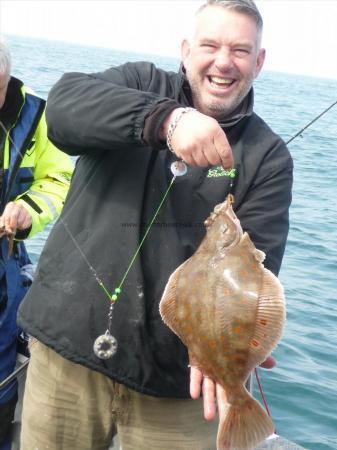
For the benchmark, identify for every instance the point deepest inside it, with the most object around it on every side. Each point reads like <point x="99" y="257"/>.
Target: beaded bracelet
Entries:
<point x="173" y="126"/>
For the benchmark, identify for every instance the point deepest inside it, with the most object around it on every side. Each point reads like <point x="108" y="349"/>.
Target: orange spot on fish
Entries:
<point x="255" y="343"/>
<point x="263" y="322"/>
<point x="188" y="329"/>
<point x="237" y="330"/>
<point x="243" y="274"/>
<point x="212" y="343"/>
<point x="226" y="291"/>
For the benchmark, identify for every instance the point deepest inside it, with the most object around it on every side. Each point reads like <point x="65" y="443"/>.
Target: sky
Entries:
<point x="300" y="36"/>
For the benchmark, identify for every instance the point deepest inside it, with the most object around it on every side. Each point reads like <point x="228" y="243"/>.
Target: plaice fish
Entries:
<point x="229" y="311"/>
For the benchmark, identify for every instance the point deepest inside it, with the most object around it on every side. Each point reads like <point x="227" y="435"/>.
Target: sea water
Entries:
<point x="302" y="390"/>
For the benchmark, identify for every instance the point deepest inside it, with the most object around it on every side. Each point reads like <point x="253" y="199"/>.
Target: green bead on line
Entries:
<point x="114" y="298"/>
<point x="117" y="290"/>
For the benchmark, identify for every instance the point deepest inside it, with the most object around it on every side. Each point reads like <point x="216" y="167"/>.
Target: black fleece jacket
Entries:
<point x="111" y="120"/>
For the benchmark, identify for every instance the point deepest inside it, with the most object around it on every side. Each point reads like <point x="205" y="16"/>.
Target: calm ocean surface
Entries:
<point x="302" y="390"/>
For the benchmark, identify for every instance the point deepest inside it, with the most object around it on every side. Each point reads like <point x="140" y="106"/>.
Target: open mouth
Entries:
<point x="220" y="82"/>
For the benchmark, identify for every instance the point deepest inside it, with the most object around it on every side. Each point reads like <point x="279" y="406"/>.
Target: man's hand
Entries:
<point x="212" y="392"/>
<point x="199" y="140"/>
<point x="15" y="217"/>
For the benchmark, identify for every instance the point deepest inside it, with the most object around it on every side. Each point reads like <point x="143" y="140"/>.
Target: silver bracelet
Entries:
<point x="173" y="126"/>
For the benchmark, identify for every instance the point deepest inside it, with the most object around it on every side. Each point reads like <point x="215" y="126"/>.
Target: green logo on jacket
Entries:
<point x="219" y="171"/>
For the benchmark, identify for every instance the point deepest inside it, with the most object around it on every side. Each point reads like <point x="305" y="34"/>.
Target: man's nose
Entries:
<point x="223" y="60"/>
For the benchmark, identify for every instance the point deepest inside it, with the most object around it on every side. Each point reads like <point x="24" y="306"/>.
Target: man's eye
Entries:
<point x="241" y="51"/>
<point x="208" y="45"/>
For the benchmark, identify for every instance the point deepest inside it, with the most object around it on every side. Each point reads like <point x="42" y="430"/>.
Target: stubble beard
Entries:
<point x="218" y="110"/>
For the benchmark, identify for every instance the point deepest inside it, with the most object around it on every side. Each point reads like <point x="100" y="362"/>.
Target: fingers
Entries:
<point x="198" y="384"/>
<point x="208" y="393"/>
<point x="195" y="383"/>
<point x="199" y="141"/>
<point x="221" y="399"/>
<point x="14" y="217"/>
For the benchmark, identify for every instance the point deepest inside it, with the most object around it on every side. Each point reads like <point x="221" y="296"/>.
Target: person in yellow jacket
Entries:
<point x="34" y="181"/>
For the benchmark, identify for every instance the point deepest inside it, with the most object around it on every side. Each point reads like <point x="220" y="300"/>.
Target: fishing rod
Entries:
<point x="24" y="366"/>
<point x="311" y="122"/>
<point x="14" y="374"/>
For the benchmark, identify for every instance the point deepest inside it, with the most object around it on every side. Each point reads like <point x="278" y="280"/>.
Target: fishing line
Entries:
<point x="147" y="231"/>
<point x="105" y="345"/>
<point x="261" y="391"/>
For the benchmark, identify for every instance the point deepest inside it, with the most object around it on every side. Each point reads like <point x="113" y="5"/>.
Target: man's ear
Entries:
<point x="185" y="50"/>
<point x="259" y="61"/>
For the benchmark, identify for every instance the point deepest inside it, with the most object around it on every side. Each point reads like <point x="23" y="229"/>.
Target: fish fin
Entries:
<point x="270" y="318"/>
<point x="259" y="255"/>
<point x="167" y="305"/>
<point x="248" y="243"/>
<point x="243" y="426"/>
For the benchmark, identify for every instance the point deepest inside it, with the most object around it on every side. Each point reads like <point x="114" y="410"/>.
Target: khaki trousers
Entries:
<point x="69" y="407"/>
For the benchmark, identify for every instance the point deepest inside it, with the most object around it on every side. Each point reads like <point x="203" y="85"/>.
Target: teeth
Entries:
<point x="221" y="80"/>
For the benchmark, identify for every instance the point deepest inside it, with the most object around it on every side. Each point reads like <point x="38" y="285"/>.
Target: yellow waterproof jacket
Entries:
<point x="36" y="173"/>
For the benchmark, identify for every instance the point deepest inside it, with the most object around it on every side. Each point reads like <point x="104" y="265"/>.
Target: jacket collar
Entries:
<point x="13" y="103"/>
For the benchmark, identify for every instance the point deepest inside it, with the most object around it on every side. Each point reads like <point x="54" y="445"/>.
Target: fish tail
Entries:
<point x="243" y="426"/>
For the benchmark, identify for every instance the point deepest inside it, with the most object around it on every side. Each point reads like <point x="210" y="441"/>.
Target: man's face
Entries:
<point x="222" y="60"/>
<point x="3" y="88"/>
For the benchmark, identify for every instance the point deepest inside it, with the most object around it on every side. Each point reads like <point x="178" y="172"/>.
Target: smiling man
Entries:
<point x="129" y="124"/>
<point x="221" y="67"/>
